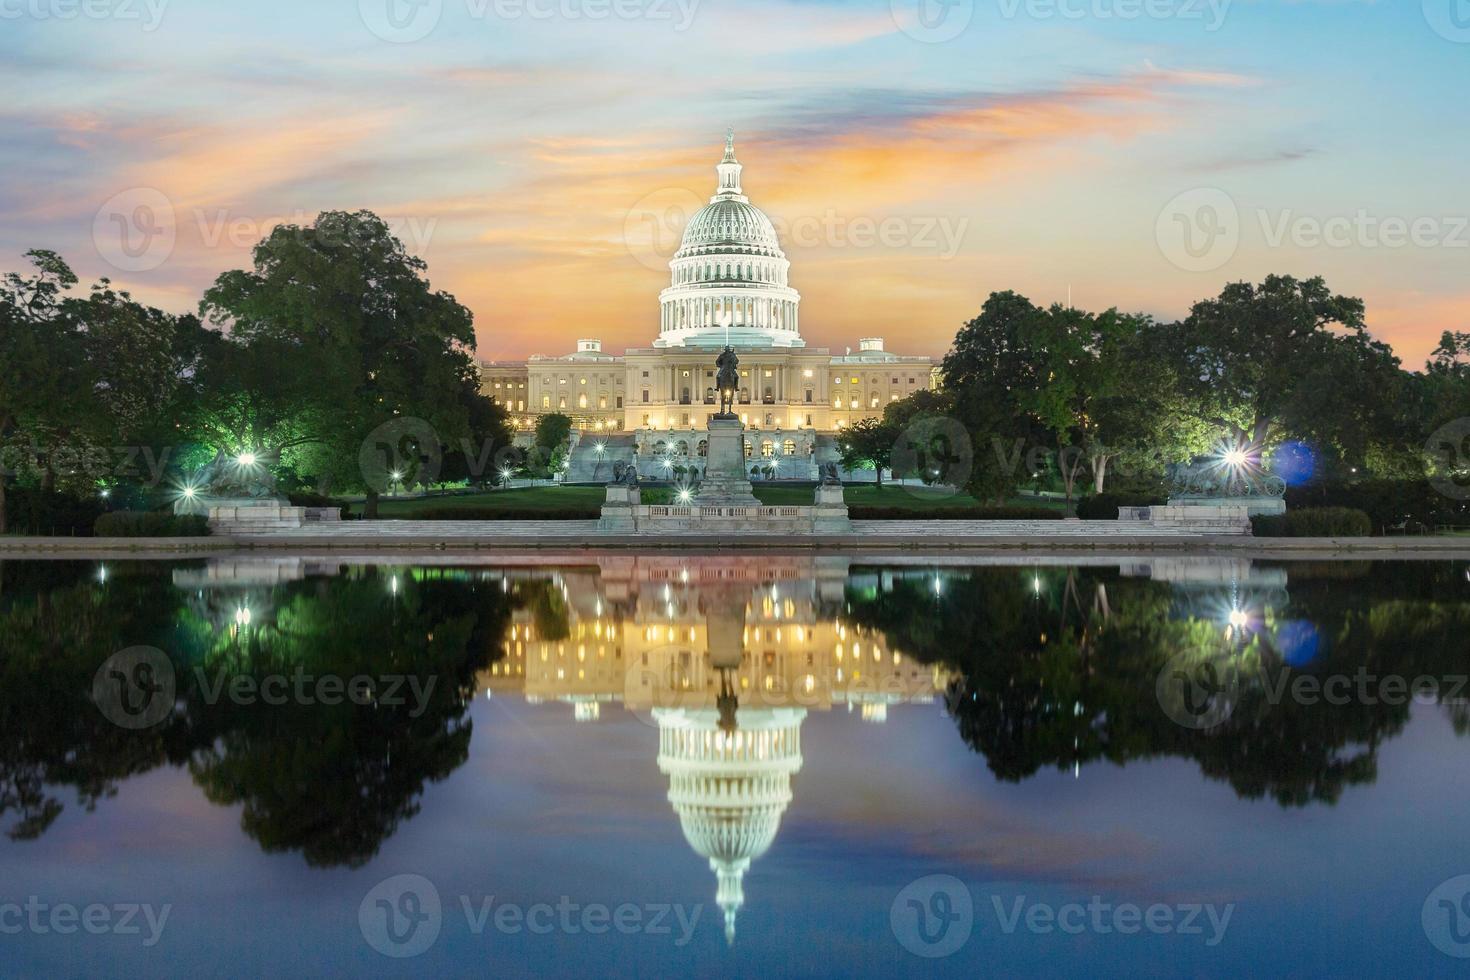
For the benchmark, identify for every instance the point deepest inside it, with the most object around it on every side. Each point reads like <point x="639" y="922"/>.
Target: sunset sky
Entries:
<point x="542" y="161"/>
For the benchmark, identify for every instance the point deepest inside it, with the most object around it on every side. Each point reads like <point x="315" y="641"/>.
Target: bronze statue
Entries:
<point x="625" y="474"/>
<point x="728" y="380"/>
<point x="829" y="475"/>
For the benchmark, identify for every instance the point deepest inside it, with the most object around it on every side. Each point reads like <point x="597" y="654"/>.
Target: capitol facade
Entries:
<point x="729" y="283"/>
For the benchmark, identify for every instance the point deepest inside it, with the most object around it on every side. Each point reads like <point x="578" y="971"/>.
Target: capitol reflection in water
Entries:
<point x="726" y="657"/>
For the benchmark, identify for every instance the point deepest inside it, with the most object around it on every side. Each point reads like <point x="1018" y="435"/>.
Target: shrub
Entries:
<point x="504" y="514"/>
<point x="30" y="510"/>
<point x="150" y="524"/>
<point x="1313" y="522"/>
<point x="1104" y="506"/>
<point x="863" y="513"/>
<point x="306" y="498"/>
<point x="1389" y="504"/>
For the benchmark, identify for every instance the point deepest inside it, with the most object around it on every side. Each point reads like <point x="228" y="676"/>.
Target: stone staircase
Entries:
<point x="590" y="466"/>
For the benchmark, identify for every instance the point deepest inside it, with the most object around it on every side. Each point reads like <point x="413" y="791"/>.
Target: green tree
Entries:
<point x="488" y="423"/>
<point x="346" y="299"/>
<point x="1287" y="356"/>
<point x="553" y="436"/>
<point x="992" y="359"/>
<point x="868" y="442"/>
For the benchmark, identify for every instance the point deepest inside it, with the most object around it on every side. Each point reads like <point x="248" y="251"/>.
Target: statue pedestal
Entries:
<point x="251" y="514"/>
<point x="619" y="510"/>
<point x="830" y="514"/>
<point x="1253" y="505"/>
<point x="725" y="481"/>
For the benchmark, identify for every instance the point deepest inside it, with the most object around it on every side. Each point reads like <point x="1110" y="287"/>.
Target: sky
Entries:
<point x="542" y="155"/>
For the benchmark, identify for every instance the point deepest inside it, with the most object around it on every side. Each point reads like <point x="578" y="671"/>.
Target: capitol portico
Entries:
<point x="729" y="283"/>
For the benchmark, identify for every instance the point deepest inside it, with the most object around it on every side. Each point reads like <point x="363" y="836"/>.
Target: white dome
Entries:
<point x="728" y="281"/>
<point x="730" y="789"/>
<point x="730" y="226"/>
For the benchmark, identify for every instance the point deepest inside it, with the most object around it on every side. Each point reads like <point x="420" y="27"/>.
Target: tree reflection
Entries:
<point x="1059" y="668"/>
<point x="55" y="617"/>
<point x="329" y="780"/>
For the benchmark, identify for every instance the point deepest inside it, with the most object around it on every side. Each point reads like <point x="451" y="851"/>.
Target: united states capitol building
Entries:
<point x="729" y="283"/>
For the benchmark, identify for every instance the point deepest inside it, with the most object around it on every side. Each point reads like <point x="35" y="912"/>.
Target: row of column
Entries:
<point x="745" y="311"/>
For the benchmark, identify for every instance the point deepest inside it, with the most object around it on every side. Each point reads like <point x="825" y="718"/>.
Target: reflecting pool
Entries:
<point x="734" y="766"/>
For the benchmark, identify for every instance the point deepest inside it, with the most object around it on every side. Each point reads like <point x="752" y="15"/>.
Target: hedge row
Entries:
<point x="150" y="524"/>
<point x="1104" y="506"/>
<point x="45" y="512"/>
<point x="1409" y="505"/>
<point x="861" y="513"/>
<point x="1314" y="522"/>
<point x="505" y="514"/>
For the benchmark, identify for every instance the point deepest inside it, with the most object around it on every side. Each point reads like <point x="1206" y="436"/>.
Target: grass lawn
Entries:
<point x="549" y="500"/>
<point x="552" y="500"/>
<point x="914" y="497"/>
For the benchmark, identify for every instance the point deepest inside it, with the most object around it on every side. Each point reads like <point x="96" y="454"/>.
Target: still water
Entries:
<point x="691" y="766"/>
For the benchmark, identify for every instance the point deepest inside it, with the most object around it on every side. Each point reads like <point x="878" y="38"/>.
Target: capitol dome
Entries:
<point x="728" y="226"/>
<point x="728" y="281"/>
<point x="730" y="788"/>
